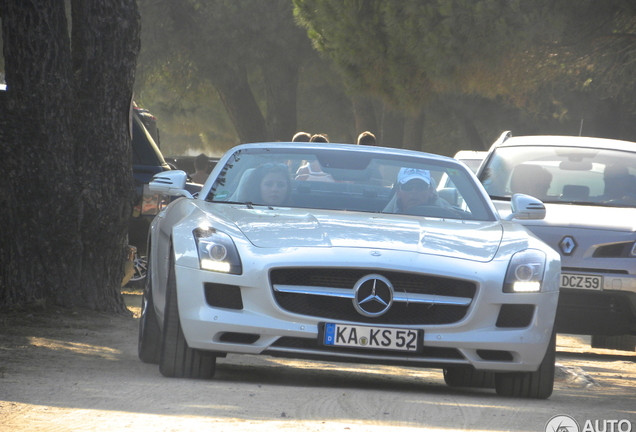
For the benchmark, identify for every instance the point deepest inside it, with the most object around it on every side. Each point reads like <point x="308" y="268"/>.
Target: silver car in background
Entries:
<point x="588" y="186"/>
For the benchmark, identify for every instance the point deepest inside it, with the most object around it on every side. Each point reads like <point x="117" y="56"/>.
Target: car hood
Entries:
<point x="284" y="227"/>
<point x="581" y="216"/>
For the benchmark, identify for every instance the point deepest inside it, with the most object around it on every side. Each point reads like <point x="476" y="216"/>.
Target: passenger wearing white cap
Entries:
<point x="415" y="187"/>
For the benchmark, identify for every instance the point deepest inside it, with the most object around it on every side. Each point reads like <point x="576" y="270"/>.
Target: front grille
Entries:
<point x="616" y="250"/>
<point x="333" y="308"/>
<point x="313" y="345"/>
<point x="591" y="270"/>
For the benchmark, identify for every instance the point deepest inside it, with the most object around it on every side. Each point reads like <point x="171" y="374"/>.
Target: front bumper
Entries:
<point x="262" y="326"/>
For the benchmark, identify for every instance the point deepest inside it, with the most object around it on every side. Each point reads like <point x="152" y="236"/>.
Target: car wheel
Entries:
<point x="468" y="377"/>
<point x="536" y="385"/>
<point x="177" y="359"/>
<point x="138" y="279"/>
<point x="149" y="345"/>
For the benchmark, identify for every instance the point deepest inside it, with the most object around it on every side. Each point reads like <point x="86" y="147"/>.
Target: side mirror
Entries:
<point x="170" y="182"/>
<point x="526" y="207"/>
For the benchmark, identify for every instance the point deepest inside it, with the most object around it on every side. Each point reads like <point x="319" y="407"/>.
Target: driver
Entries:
<point x="415" y="187"/>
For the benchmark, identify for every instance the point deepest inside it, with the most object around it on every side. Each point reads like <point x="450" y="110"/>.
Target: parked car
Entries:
<point x="186" y="163"/>
<point x="147" y="161"/>
<point x="472" y="158"/>
<point x="149" y="121"/>
<point x="347" y="266"/>
<point x="588" y="186"/>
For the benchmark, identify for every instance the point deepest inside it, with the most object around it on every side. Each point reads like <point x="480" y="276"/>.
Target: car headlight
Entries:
<point x="525" y="272"/>
<point x="217" y="251"/>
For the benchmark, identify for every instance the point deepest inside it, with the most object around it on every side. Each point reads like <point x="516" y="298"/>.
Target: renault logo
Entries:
<point x="567" y="245"/>
<point x="373" y="295"/>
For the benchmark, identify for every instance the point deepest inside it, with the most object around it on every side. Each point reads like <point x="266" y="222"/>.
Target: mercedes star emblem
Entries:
<point x="373" y="295"/>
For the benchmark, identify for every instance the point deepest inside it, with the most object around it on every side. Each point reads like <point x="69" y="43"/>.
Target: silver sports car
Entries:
<point x="354" y="254"/>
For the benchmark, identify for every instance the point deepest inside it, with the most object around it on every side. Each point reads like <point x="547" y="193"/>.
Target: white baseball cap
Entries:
<point x="408" y="174"/>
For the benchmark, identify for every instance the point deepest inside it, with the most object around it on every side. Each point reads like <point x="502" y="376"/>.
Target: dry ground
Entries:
<point x="66" y="370"/>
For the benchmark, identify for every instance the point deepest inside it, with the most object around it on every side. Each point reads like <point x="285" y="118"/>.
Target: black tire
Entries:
<point x="149" y="344"/>
<point x="462" y="376"/>
<point x="177" y="359"/>
<point x="535" y="385"/>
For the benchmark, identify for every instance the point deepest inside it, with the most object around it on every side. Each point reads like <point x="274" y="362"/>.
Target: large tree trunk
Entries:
<point x="414" y="130"/>
<point x="106" y="37"/>
<point x="65" y="152"/>
<point x="40" y="242"/>
<point x="281" y="81"/>
<point x="238" y="99"/>
<point x="392" y="128"/>
<point x="365" y="118"/>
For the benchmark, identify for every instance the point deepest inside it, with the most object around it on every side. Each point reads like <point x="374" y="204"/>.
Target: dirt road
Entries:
<point x="64" y="371"/>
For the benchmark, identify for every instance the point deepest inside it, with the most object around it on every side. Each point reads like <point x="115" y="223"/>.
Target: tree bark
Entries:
<point x="392" y="128"/>
<point x="106" y="43"/>
<point x="238" y="99"/>
<point x="414" y="130"/>
<point x="65" y="152"/>
<point x="365" y="118"/>
<point x="281" y="82"/>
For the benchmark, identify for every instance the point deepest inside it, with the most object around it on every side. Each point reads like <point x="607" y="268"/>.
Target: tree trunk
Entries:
<point x="392" y="128"/>
<point x="65" y="152"/>
<point x="281" y="81"/>
<point x="475" y="142"/>
<point x="413" y="130"/>
<point x="106" y="43"/>
<point x="365" y="118"/>
<point x="238" y="99"/>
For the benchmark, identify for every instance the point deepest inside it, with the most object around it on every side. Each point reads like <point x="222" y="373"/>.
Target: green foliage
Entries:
<point x="408" y="51"/>
<point x="194" y="48"/>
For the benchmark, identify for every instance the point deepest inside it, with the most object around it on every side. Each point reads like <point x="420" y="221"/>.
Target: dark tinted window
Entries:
<point x="145" y="151"/>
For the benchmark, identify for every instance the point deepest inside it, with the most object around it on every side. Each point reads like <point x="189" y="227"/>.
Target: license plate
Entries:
<point x="581" y="281"/>
<point x="354" y="336"/>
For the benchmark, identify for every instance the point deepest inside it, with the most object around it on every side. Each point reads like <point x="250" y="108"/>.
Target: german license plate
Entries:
<point x="581" y="281"/>
<point x="344" y="335"/>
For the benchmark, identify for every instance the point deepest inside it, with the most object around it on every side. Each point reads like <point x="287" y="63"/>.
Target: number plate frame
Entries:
<point x="335" y="335"/>
<point x="581" y="281"/>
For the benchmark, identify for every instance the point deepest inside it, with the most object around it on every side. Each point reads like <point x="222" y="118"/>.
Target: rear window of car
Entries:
<point x="347" y="180"/>
<point x="563" y="174"/>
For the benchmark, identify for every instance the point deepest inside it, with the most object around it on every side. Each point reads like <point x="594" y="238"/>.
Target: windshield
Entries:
<point x="349" y="180"/>
<point x="574" y="175"/>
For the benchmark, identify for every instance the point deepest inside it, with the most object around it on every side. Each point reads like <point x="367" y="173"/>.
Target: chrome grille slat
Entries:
<point x="397" y="297"/>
